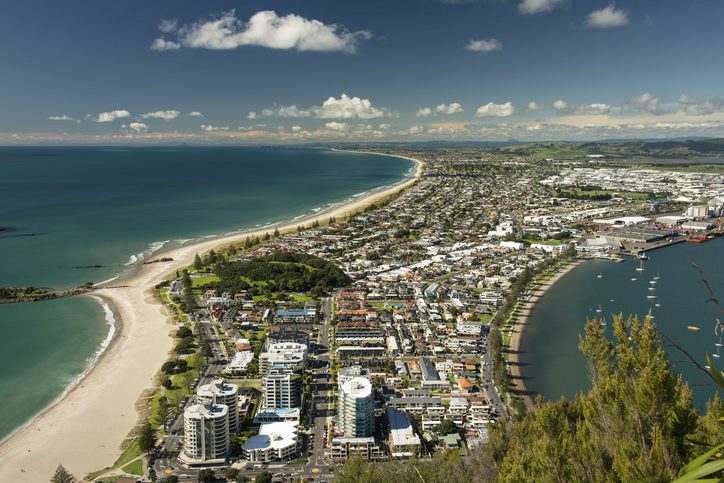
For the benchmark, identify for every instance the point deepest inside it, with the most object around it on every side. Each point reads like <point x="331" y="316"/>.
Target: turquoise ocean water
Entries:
<point x="67" y="207"/>
<point x="554" y="367"/>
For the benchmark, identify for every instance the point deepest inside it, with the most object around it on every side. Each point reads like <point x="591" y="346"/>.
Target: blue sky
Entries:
<point x="308" y="70"/>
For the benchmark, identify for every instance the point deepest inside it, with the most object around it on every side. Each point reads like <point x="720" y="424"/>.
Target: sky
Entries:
<point x="224" y="71"/>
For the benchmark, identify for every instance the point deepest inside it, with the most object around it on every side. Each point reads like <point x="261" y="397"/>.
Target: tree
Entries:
<point x="445" y="427"/>
<point x="62" y="475"/>
<point x="206" y="476"/>
<point x="263" y="477"/>
<point x="147" y="438"/>
<point x="171" y="479"/>
<point x="163" y="410"/>
<point x="197" y="262"/>
<point x="232" y="474"/>
<point x="152" y="474"/>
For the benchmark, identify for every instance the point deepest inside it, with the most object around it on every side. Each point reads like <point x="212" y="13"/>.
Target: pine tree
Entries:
<point x="62" y="475"/>
<point x="197" y="262"/>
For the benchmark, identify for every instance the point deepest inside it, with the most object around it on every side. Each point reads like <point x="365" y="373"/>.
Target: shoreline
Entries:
<point x="94" y="416"/>
<point x="514" y="359"/>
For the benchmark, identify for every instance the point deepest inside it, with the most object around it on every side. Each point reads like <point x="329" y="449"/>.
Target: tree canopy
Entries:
<point x="636" y="423"/>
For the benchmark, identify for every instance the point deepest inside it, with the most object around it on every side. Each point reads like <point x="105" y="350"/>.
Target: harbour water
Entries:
<point x="553" y="365"/>
<point x="65" y="209"/>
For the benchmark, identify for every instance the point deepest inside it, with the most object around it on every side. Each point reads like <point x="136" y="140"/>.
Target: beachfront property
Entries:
<point x="206" y="434"/>
<point x="220" y="392"/>
<point x="283" y="357"/>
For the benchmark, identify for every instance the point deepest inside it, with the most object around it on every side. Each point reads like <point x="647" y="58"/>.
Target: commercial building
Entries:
<point x="403" y="442"/>
<point x="355" y="417"/>
<point x="219" y="392"/>
<point x="282" y="391"/>
<point x="206" y="434"/>
<point x="275" y="441"/>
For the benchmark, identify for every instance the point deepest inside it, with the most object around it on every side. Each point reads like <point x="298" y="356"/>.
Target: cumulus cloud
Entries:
<point x="195" y="114"/>
<point x="534" y="106"/>
<point x="345" y="107"/>
<point x="111" y="115"/>
<point x="452" y="108"/>
<point x="163" y="44"/>
<point x="336" y="126"/>
<point x="251" y="115"/>
<point x="607" y="17"/>
<point x="168" y="25"/>
<point x="646" y="102"/>
<point x="138" y="127"/>
<point x="497" y="110"/>
<point x="698" y="106"/>
<point x="595" y="108"/>
<point x="423" y="112"/>
<point x="416" y="130"/>
<point x="484" y="45"/>
<point x="530" y="7"/>
<point x="263" y="29"/>
<point x="60" y="118"/>
<point x="560" y="105"/>
<point x="165" y="115"/>
<point x="211" y="128"/>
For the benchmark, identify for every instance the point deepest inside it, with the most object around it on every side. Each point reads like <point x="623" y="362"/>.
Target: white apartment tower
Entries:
<point x="206" y="433"/>
<point x="219" y="392"/>
<point x="356" y="418"/>
<point x="282" y="391"/>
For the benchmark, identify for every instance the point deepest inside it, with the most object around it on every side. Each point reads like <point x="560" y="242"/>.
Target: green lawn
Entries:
<point x="203" y="281"/>
<point x="135" y="468"/>
<point x="131" y="452"/>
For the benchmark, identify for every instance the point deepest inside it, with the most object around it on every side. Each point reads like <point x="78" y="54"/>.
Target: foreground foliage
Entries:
<point x="637" y="423"/>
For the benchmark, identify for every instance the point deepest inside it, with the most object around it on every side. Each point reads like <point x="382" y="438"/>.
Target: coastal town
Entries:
<point x="405" y="347"/>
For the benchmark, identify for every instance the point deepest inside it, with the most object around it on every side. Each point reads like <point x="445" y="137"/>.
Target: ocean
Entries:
<point x="552" y="363"/>
<point x="65" y="209"/>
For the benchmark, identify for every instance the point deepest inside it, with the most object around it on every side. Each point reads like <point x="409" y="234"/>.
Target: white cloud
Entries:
<point x="607" y="17"/>
<point x="530" y="7"/>
<point x="138" y="127"/>
<point x="263" y="29"/>
<point x="416" y="130"/>
<point x="336" y="126"/>
<point x="698" y="106"/>
<point x="484" y="45"/>
<point x="423" y="112"/>
<point x="646" y="102"/>
<point x="165" y="115"/>
<point x="452" y="108"/>
<point x="210" y="128"/>
<point x="560" y="105"/>
<point x="112" y="115"/>
<point x="251" y="115"/>
<point x="163" y="44"/>
<point x="534" y="106"/>
<point x="345" y="107"/>
<point x="595" y="108"/>
<point x="195" y="114"/>
<point x="168" y="25"/>
<point x="498" y="110"/>
<point x="296" y="128"/>
<point x="384" y="126"/>
<point x="60" y="118"/>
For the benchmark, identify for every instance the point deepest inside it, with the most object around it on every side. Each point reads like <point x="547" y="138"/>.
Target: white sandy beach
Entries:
<point x="85" y="428"/>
